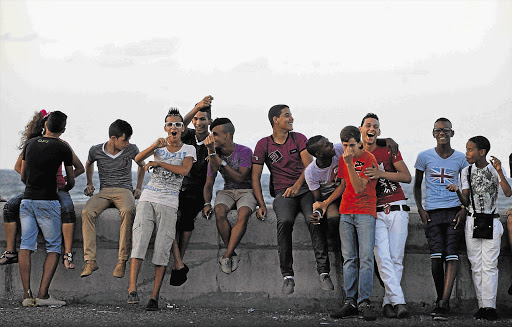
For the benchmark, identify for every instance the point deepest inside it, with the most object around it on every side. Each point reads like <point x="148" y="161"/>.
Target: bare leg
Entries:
<point x="184" y="240"/>
<point x="178" y="263"/>
<point x="10" y="236"/>
<point x="24" y="265"/>
<point x="159" y="277"/>
<point x="438" y="275"/>
<point x="451" y="272"/>
<point x="67" y="233"/>
<point x="223" y="226"/>
<point x="49" y="267"/>
<point x="238" y="231"/>
<point x="134" y="274"/>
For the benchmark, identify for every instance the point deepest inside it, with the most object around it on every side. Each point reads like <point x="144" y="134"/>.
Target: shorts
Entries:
<point x="46" y="215"/>
<point x="152" y="216"/>
<point x="67" y="210"/>
<point x="239" y="197"/>
<point x="191" y="203"/>
<point x="443" y="239"/>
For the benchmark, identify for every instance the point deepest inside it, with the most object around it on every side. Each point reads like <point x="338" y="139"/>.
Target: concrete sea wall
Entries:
<point x="257" y="282"/>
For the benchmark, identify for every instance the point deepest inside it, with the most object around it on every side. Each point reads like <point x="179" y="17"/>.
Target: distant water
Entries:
<point x="10" y="185"/>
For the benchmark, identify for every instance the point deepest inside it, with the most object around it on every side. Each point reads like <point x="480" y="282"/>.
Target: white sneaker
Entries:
<point x="225" y="265"/>
<point x="49" y="302"/>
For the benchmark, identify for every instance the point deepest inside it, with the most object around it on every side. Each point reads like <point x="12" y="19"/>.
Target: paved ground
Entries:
<point x="13" y="314"/>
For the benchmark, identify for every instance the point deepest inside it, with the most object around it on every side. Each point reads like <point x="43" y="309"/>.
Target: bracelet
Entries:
<point x="207" y="204"/>
<point x="212" y="154"/>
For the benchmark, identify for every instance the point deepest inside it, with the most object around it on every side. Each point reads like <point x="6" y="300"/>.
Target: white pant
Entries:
<point x="390" y="237"/>
<point x="483" y="255"/>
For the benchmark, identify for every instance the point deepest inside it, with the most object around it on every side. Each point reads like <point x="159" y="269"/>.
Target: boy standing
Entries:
<point x="158" y="204"/>
<point x="114" y="159"/>
<point x="284" y="154"/>
<point x="234" y="163"/>
<point x="42" y="157"/>
<point x="480" y="194"/>
<point x="357" y="225"/>
<point x="441" y="166"/>
<point x="392" y="218"/>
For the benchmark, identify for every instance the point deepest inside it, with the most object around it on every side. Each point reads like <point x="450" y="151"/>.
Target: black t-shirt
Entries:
<point x="43" y="157"/>
<point x="197" y="176"/>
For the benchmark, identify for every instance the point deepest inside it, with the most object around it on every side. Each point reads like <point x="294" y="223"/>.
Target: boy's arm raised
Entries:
<point x="505" y="186"/>
<point x="358" y="183"/>
<point x="206" y="102"/>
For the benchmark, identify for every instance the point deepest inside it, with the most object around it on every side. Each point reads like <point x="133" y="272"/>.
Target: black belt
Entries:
<point x="395" y="207"/>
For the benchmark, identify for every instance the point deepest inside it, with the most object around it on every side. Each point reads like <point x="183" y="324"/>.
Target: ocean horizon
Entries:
<point x="10" y="185"/>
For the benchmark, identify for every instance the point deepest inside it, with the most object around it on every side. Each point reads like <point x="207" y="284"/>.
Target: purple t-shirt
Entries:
<point x="283" y="160"/>
<point x="241" y="157"/>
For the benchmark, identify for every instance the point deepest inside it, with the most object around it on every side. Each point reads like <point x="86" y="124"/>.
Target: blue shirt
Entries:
<point x="439" y="173"/>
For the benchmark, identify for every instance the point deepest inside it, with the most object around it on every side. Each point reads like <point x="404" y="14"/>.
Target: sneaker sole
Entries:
<point x="440" y="318"/>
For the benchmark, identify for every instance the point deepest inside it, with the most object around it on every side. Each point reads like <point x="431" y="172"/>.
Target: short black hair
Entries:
<point x="208" y="111"/>
<point x="56" y="122"/>
<point x="481" y="142"/>
<point x="227" y="125"/>
<point x="312" y="144"/>
<point x="443" y="119"/>
<point x="349" y="132"/>
<point x="275" y="111"/>
<point x="369" y="115"/>
<point x="120" y="127"/>
<point x="173" y="112"/>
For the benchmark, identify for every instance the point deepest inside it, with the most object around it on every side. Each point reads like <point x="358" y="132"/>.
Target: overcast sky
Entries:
<point x="410" y="62"/>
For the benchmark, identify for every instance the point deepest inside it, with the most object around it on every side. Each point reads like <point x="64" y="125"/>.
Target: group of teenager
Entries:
<point x="355" y="182"/>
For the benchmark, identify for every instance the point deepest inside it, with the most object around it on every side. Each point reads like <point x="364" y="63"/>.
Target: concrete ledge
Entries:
<point x="258" y="280"/>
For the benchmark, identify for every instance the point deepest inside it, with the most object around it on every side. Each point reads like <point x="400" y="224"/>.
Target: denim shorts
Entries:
<point x="443" y="238"/>
<point x="46" y="215"/>
<point x="12" y="208"/>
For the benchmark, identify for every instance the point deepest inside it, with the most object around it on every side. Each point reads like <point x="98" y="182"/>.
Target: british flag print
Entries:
<point x="442" y="175"/>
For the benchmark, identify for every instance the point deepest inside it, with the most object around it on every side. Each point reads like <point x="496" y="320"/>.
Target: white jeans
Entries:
<point x="483" y="255"/>
<point x="390" y="236"/>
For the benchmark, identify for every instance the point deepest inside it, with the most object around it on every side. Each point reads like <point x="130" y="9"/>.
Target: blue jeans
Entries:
<point x="357" y="235"/>
<point x="46" y="215"/>
<point x="12" y="208"/>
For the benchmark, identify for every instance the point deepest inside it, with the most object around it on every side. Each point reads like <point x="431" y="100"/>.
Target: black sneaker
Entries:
<point x="479" y="314"/>
<point x="490" y="314"/>
<point x="388" y="311"/>
<point x="347" y="310"/>
<point x="442" y="311"/>
<point x="133" y="298"/>
<point x="366" y="311"/>
<point x="152" y="305"/>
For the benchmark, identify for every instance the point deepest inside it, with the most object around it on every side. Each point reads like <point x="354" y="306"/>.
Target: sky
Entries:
<point x="410" y="62"/>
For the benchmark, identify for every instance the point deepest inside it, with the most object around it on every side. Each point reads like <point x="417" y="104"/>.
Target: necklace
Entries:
<point x="170" y="144"/>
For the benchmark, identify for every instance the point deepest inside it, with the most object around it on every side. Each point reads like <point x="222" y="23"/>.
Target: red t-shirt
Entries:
<point x="387" y="191"/>
<point x="366" y="201"/>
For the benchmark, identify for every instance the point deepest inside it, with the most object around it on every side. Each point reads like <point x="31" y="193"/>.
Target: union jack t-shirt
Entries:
<point x="439" y="173"/>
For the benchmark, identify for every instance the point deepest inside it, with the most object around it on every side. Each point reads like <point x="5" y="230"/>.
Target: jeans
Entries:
<point x="357" y="235"/>
<point x="46" y="215"/>
<point x="286" y="210"/>
<point x="67" y="210"/>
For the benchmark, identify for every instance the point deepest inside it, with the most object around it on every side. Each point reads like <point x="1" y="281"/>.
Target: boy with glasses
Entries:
<point x="441" y="166"/>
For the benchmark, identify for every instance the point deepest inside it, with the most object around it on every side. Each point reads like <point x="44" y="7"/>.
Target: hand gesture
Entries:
<point x="89" y="190"/>
<point x="348" y="156"/>
<point x="496" y="163"/>
<point x="151" y="164"/>
<point x="314" y="218"/>
<point x="261" y="213"/>
<point x="160" y="143"/>
<point x="372" y="172"/>
<point x="209" y="143"/>
<point x="320" y="205"/>
<point x="452" y="188"/>
<point x="206" y="102"/>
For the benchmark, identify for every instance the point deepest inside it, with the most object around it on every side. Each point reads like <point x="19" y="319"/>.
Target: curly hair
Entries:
<point x="35" y="127"/>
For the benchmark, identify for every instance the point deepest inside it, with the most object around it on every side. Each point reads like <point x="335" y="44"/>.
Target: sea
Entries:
<point x="10" y="185"/>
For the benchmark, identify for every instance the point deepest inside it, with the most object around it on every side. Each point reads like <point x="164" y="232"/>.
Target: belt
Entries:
<point x="395" y="207"/>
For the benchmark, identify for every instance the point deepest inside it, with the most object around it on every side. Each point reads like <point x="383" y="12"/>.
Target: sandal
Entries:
<point x="5" y="260"/>
<point x="67" y="260"/>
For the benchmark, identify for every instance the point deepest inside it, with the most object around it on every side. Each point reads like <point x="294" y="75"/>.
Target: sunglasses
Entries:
<point x="178" y="124"/>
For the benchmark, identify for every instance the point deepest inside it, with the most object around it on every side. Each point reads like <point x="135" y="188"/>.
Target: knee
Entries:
<point x="221" y="213"/>
<point x="128" y="212"/>
<point x="88" y="214"/>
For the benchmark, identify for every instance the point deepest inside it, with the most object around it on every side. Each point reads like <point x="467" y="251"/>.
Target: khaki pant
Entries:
<point x="124" y="201"/>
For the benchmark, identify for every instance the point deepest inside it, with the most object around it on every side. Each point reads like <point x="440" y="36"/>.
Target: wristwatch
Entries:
<point x="224" y="163"/>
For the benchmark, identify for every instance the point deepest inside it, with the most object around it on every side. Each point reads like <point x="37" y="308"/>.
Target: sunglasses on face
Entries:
<point x="175" y="124"/>
<point x="444" y="130"/>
